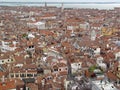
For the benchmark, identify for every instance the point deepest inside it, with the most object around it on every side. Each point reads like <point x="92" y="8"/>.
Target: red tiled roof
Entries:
<point x="7" y="85"/>
<point x="111" y="76"/>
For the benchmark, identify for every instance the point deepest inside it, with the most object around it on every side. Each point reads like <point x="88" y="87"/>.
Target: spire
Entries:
<point x="45" y="4"/>
<point x="62" y="7"/>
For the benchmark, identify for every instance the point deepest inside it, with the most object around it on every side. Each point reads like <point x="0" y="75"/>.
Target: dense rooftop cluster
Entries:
<point x="51" y="48"/>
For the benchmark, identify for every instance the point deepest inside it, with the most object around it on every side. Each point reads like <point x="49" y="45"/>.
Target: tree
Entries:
<point x="92" y="68"/>
<point x="24" y="35"/>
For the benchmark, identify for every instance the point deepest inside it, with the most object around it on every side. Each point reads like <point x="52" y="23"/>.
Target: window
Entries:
<point x="35" y="75"/>
<point x="17" y="75"/>
<point x="112" y="86"/>
<point x="48" y="78"/>
<point x="12" y="75"/>
<point x="22" y="75"/>
<point x="50" y="89"/>
<point x="28" y="88"/>
<point x="118" y="58"/>
<point x="55" y="69"/>
<point x="59" y="69"/>
<point x="29" y="75"/>
<point x="58" y="89"/>
<point x="21" y="88"/>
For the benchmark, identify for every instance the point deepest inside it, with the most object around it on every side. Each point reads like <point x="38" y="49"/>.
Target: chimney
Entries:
<point x="1" y="24"/>
<point x="117" y="82"/>
<point x="19" y="74"/>
<point x="25" y="62"/>
<point x="15" y="81"/>
<point x="36" y="81"/>
<point x="107" y="45"/>
<point x="3" y="43"/>
<point x="14" y="43"/>
<point x="119" y="62"/>
<point x="3" y="79"/>
<point x="43" y="82"/>
<point x="26" y="73"/>
<point x="54" y="80"/>
<point x="32" y="61"/>
<point x="9" y="77"/>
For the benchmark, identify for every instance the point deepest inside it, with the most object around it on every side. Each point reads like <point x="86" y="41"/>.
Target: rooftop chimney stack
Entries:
<point x="3" y="43"/>
<point x="1" y="24"/>
<point x="43" y="82"/>
<point x="14" y="43"/>
<point x="3" y="79"/>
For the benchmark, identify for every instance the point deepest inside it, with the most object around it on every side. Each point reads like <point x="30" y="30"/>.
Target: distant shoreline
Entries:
<point x="85" y="5"/>
<point x="61" y="2"/>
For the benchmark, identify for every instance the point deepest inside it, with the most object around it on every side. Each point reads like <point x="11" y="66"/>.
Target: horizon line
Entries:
<point x="60" y="2"/>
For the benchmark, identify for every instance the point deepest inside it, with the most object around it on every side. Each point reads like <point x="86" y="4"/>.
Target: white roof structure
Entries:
<point x="103" y="85"/>
<point x="39" y="23"/>
<point x="31" y="35"/>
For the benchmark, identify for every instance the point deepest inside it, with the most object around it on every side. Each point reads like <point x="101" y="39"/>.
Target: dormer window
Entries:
<point x="55" y="69"/>
<point x="31" y="46"/>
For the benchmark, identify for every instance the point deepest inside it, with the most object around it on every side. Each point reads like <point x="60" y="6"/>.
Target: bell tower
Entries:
<point x="62" y="7"/>
<point x="45" y="4"/>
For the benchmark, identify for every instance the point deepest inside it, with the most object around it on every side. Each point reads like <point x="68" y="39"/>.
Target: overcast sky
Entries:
<point x="61" y="0"/>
